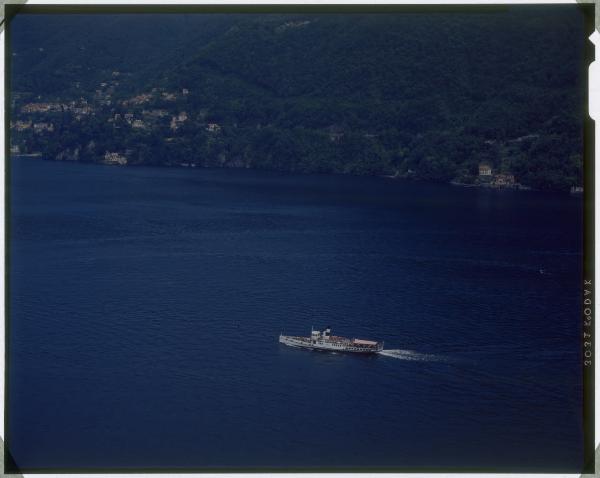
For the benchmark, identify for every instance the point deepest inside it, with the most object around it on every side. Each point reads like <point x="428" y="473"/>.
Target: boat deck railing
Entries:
<point x="338" y="340"/>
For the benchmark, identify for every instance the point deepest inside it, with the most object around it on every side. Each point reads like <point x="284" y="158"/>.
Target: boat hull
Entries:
<point x="328" y="346"/>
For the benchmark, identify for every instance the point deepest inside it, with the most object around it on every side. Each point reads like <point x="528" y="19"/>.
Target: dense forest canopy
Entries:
<point x="423" y="95"/>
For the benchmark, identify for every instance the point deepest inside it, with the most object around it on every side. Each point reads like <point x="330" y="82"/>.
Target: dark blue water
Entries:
<point x="146" y="305"/>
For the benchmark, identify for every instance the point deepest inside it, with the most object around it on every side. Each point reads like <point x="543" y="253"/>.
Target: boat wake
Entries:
<point x="412" y="355"/>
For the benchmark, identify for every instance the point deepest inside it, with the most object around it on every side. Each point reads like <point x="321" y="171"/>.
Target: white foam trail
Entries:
<point x="412" y="355"/>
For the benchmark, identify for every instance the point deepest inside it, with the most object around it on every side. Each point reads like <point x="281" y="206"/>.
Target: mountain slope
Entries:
<point x="427" y="95"/>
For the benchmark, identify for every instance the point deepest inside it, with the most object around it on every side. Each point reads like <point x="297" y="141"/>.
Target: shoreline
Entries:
<point x="515" y="187"/>
<point x="26" y="155"/>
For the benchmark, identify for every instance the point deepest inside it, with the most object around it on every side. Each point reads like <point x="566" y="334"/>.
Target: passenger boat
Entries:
<point x="331" y="343"/>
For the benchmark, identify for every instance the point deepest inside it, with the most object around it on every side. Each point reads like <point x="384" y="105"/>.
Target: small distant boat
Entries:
<point x="332" y="343"/>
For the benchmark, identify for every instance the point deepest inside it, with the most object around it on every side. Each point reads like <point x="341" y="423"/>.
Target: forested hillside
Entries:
<point x="427" y="96"/>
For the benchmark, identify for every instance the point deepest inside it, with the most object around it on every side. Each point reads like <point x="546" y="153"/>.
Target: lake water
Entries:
<point x="146" y="303"/>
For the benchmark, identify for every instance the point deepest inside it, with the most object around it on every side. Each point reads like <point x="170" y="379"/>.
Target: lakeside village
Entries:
<point x="37" y="123"/>
<point x="488" y="178"/>
<point x="157" y="113"/>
